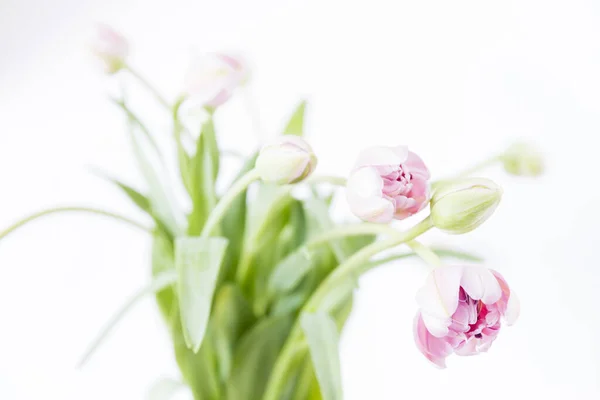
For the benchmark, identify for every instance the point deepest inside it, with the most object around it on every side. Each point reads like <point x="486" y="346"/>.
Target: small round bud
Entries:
<point x="461" y="206"/>
<point x="523" y="159"/>
<point x="287" y="159"/>
<point x="111" y="48"/>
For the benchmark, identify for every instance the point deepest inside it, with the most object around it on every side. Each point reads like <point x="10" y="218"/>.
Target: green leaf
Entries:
<point x="231" y="317"/>
<point x="197" y="261"/>
<point x="203" y="176"/>
<point x="163" y="262"/>
<point x="295" y="126"/>
<point x="138" y="199"/>
<point x="323" y="338"/>
<point x="159" y="197"/>
<point x="289" y="272"/>
<point x="233" y="225"/>
<point x="255" y="356"/>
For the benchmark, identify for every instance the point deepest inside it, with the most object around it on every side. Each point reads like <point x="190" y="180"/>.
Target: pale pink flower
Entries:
<point x="387" y="183"/>
<point x="461" y="308"/>
<point x="111" y="48"/>
<point x="212" y="78"/>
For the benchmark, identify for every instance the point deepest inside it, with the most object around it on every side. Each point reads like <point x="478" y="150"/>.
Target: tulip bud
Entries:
<point x="287" y="159"/>
<point x="461" y="206"/>
<point x="523" y="159"/>
<point x="111" y="48"/>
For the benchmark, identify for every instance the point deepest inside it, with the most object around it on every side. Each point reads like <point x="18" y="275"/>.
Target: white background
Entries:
<point x="455" y="80"/>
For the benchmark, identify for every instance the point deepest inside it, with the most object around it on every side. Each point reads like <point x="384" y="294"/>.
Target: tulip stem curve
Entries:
<point x="426" y="254"/>
<point x="39" y="214"/>
<point x="334" y="180"/>
<point x="221" y="208"/>
<point x="350" y="269"/>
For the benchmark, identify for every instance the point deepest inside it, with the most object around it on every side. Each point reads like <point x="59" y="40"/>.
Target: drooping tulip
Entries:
<point x="388" y="183"/>
<point x="461" y="308"/>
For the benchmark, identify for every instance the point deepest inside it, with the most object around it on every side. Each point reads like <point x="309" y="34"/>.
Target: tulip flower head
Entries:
<point x="388" y="183"/>
<point x="212" y="79"/>
<point x="286" y="159"/>
<point x="461" y="308"/>
<point x="111" y="48"/>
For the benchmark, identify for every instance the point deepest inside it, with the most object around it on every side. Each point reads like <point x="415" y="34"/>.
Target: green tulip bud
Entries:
<point x="461" y="206"/>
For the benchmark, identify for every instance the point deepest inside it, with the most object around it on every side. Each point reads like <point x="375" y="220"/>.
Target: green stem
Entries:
<point x="134" y="119"/>
<point x="351" y="230"/>
<point x="221" y="208"/>
<point x="334" y="180"/>
<point x="470" y="171"/>
<point x="148" y="86"/>
<point x="39" y="214"/>
<point x="349" y="269"/>
<point x="425" y="253"/>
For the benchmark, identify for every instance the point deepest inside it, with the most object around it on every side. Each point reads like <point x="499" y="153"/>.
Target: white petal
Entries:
<point x="480" y="284"/>
<point x="438" y="298"/>
<point x="365" y="182"/>
<point x="438" y="327"/>
<point x="381" y="155"/>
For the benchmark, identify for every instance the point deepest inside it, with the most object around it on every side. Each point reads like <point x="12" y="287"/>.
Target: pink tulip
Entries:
<point x="213" y="78"/>
<point x="460" y="311"/>
<point x="111" y="48"/>
<point x="387" y="183"/>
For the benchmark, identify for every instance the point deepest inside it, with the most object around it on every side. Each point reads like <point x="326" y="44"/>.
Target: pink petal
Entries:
<point x="508" y="305"/>
<point x="435" y="349"/>
<point x="480" y="284"/>
<point x="415" y="165"/>
<point x="438" y="298"/>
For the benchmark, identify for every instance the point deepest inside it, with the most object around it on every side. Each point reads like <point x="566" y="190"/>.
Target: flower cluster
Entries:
<point x="254" y="285"/>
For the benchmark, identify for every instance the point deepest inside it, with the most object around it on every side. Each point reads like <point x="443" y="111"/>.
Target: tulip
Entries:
<point x="286" y="159"/>
<point x="111" y="48"/>
<point x="388" y="183"/>
<point x="523" y="159"/>
<point x="461" y="308"/>
<point x="212" y="79"/>
<point x="463" y="205"/>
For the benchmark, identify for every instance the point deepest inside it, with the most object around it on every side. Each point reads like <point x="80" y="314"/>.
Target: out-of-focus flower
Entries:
<point x="462" y="205"/>
<point x="460" y="311"/>
<point x="523" y="159"/>
<point x="286" y="159"/>
<point x="111" y="48"/>
<point x="212" y="79"/>
<point x="388" y="183"/>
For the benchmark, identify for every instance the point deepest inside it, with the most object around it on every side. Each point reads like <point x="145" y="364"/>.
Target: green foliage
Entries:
<point x="240" y="298"/>
<point x="197" y="261"/>
<point x="322" y="336"/>
<point x="295" y="125"/>
<point x="204" y="169"/>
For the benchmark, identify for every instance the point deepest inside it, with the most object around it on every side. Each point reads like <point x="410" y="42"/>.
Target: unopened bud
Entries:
<point x="461" y="206"/>
<point x="111" y="48"/>
<point x="287" y="159"/>
<point x="523" y="159"/>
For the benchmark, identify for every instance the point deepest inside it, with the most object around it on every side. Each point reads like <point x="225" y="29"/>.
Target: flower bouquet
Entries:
<point x="255" y="282"/>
